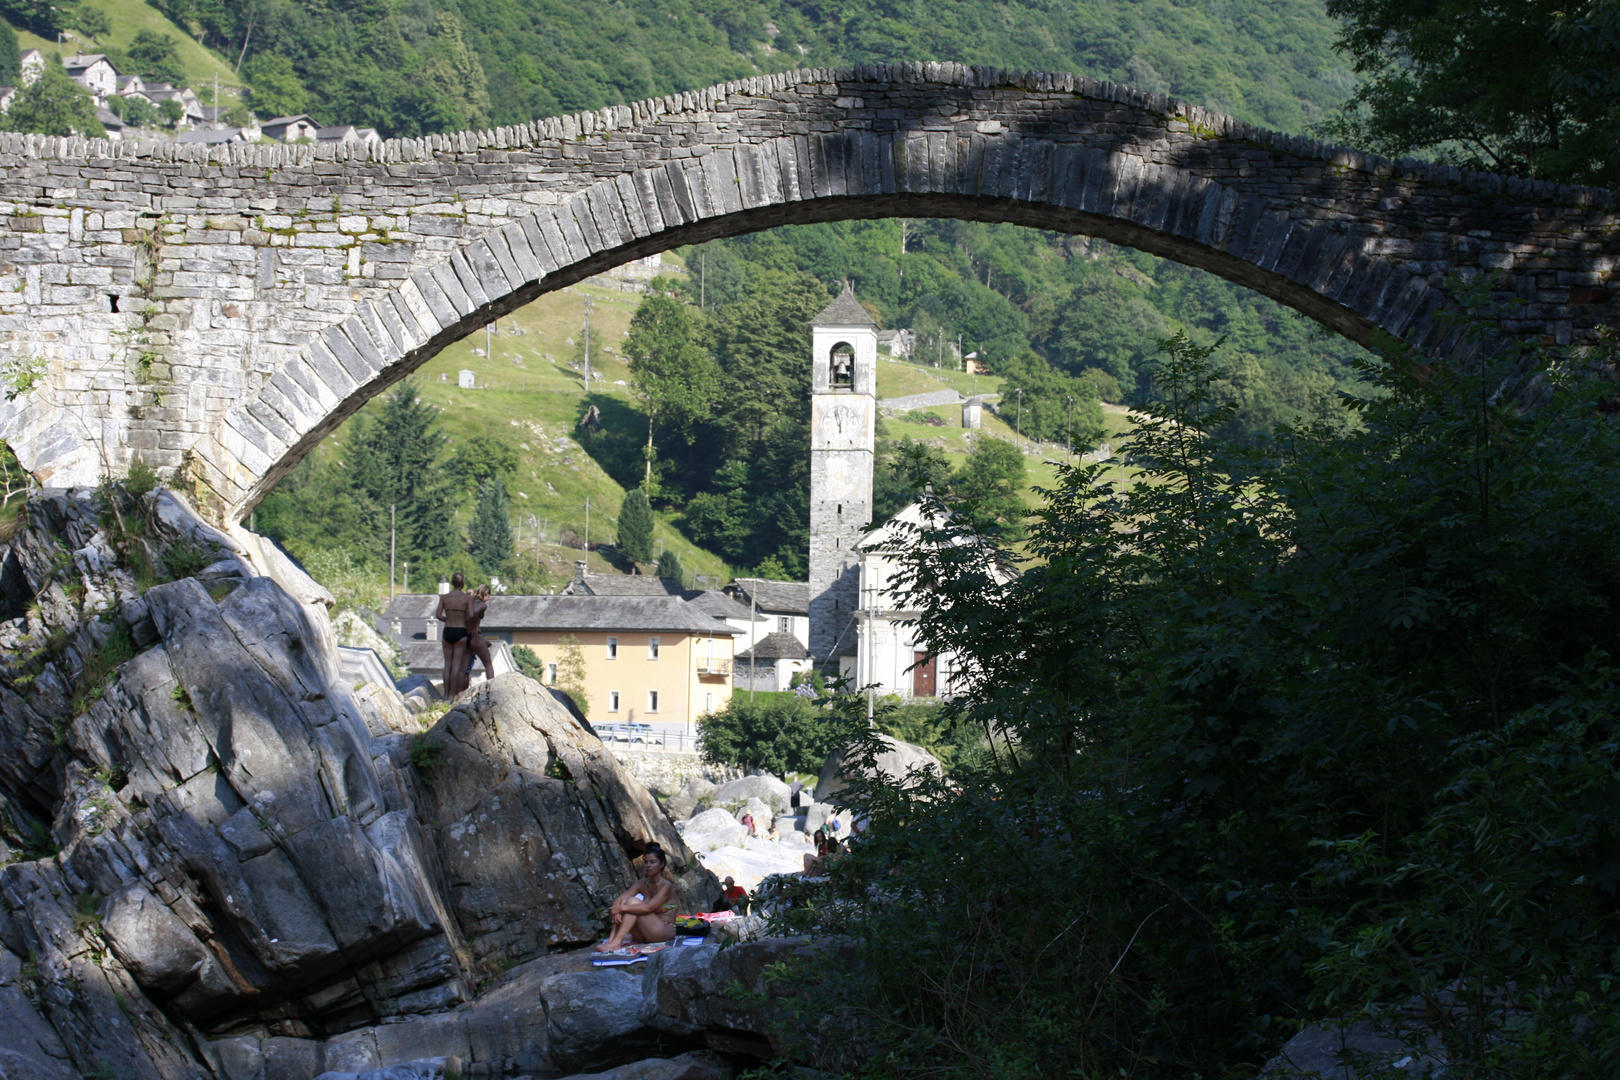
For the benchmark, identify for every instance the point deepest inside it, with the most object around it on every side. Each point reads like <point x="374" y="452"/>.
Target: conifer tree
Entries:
<point x="397" y="459"/>
<point x="636" y="527"/>
<point x="669" y="565"/>
<point x="490" y="534"/>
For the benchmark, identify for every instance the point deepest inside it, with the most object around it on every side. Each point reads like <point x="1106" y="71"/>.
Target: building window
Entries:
<point x="551" y="674"/>
<point x="784" y="625"/>
<point x="708" y="702"/>
<point x="613" y="701"/>
<point x="652" y="701"/>
<point x="613" y="648"/>
<point x="652" y="648"/>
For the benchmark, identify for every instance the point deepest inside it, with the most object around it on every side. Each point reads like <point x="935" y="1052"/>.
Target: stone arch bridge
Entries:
<point x="218" y="310"/>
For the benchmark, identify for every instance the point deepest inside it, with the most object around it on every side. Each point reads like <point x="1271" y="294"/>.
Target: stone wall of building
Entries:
<point x="218" y="310"/>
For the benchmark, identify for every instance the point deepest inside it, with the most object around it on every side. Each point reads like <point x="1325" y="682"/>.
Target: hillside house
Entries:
<point x="130" y="84"/>
<point x="113" y="125"/>
<point x="291" y="129"/>
<point x="8" y="94"/>
<point x="95" y="73"/>
<point x="214" y="136"/>
<point x="30" y="66"/>
<point x="347" y="133"/>
<point x="191" y="107"/>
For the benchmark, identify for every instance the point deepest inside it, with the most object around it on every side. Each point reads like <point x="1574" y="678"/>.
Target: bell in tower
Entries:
<point x="843" y="417"/>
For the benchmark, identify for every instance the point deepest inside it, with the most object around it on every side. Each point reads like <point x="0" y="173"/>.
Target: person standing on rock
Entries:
<point x="642" y="912"/>
<point x="477" y="643"/>
<point x="454" y="608"/>
<point x="793" y="793"/>
<point x="748" y="823"/>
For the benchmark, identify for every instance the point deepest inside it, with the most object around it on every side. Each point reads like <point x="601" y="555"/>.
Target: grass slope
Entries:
<point x="129" y="18"/>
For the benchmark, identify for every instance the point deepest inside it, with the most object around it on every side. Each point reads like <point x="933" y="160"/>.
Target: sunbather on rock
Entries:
<point x="644" y="912"/>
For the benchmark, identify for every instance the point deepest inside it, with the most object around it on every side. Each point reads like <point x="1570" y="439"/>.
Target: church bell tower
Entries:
<point x="843" y="417"/>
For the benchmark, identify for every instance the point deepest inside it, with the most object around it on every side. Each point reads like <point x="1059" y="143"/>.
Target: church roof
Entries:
<point x="844" y="311"/>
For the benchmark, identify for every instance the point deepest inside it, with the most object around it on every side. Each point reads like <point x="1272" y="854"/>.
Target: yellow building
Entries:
<point x="648" y="659"/>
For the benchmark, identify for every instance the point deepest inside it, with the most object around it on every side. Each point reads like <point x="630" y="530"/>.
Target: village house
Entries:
<point x="774" y="624"/>
<point x="30" y="66"/>
<point x="347" y="133"/>
<point x="647" y="659"/>
<point x="191" y="107"/>
<point x="8" y="94"/>
<point x="95" y="73"/>
<point x="291" y="129"/>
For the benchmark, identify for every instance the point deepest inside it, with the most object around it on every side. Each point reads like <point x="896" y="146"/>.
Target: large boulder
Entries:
<point x="536" y="823"/>
<point x="684" y="803"/>
<point x="767" y="789"/>
<point x="594" y="1018"/>
<point x="893" y="764"/>
<point x="711" y="829"/>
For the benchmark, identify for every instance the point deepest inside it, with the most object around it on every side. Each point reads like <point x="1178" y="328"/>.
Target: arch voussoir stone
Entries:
<point x="283" y="286"/>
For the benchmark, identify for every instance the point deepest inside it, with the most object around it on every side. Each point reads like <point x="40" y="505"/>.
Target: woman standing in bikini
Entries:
<point x="454" y="608"/>
<point x="642" y="913"/>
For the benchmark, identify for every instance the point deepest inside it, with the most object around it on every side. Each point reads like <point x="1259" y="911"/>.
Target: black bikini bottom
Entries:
<point x="453" y="634"/>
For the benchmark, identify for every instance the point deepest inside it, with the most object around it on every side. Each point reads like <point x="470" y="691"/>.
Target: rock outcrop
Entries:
<point x="893" y="764"/>
<point x="222" y="861"/>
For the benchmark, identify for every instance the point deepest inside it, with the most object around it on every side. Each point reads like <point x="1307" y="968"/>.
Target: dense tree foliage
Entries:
<point x="53" y="105"/>
<point x="489" y="534"/>
<point x="1323" y="731"/>
<point x="406" y="67"/>
<point x="1042" y="308"/>
<point x="779" y="733"/>
<point x="10" y="56"/>
<point x="671" y="373"/>
<point x="1522" y="87"/>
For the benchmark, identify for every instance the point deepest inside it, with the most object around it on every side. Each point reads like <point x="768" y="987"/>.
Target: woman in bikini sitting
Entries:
<point x="454" y="607"/>
<point x="477" y="643"/>
<point x="643" y="912"/>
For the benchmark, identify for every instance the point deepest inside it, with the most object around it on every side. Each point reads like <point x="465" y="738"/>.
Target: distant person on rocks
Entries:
<point x="454" y="608"/>
<point x="477" y="643"/>
<point x="794" y="790"/>
<point x="643" y="912"/>
<point x="748" y="823"/>
<point x="773" y="835"/>
<point x="736" y="896"/>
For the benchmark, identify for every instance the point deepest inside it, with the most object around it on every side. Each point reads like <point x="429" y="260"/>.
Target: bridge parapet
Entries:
<point x="218" y="310"/>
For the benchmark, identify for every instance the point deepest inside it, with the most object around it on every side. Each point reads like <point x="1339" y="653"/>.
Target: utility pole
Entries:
<point x="871" y="640"/>
<point x="703" y="281"/>
<point x="1020" y="412"/>
<point x="587" y="349"/>
<point x="587" y="527"/>
<point x="489" y="350"/>
<point x="753" y="637"/>
<point x="407" y="575"/>
<point x="959" y="362"/>
<point x="216" y="101"/>
<point x="1070" y="453"/>
<point x="392" y="535"/>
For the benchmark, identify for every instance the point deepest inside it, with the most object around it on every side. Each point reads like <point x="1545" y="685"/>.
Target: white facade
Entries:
<point x="95" y="73"/>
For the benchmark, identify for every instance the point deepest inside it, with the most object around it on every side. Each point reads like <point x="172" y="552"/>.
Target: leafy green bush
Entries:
<point x="782" y="733"/>
<point x="528" y="662"/>
<point x="1309" y="734"/>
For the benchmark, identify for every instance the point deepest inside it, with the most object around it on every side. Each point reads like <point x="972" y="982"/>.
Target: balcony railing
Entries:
<point x="714" y="667"/>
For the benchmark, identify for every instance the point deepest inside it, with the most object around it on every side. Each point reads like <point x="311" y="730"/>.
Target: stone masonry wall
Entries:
<point x="218" y="310"/>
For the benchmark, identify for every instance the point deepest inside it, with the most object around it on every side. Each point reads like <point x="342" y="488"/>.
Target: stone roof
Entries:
<point x="718" y="605"/>
<point x="844" y="311"/>
<point x="775" y="597"/>
<point x="777" y="646"/>
<point x="600" y="613"/>
<point x="622" y="585"/>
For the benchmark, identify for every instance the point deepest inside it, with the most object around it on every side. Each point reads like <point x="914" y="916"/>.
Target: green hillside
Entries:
<point x="406" y="68"/>
<point x="126" y="19"/>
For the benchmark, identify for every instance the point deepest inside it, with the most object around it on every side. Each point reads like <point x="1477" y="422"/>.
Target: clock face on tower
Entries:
<point x="840" y="424"/>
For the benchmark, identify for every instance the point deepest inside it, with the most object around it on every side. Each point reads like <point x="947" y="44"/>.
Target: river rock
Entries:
<point x="713" y="828"/>
<point x="536" y="823"/>
<point x="594" y="1018"/>
<point x="893" y="765"/>
<point x="683" y="804"/>
<point x="691" y="1066"/>
<point x="767" y="789"/>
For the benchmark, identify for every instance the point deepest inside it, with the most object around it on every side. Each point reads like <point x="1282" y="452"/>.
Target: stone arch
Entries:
<point x="1359" y="244"/>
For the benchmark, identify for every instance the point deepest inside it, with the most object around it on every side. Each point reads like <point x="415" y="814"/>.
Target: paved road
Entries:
<point x="922" y="401"/>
